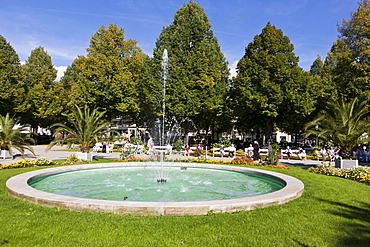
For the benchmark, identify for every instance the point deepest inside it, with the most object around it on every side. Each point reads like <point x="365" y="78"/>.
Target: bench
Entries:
<point x="4" y="154"/>
<point x="293" y="153"/>
<point x="324" y="157"/>
<point x="191" y="150"/>
<point x="262" y="152"/>
<point x="99" y="148"/>
<point x="133" y="147"/>
<point x="218" y="152"/>
<point x="163" y="149"/>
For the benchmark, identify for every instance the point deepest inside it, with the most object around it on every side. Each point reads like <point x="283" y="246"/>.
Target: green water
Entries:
<point x="140" y="184"/>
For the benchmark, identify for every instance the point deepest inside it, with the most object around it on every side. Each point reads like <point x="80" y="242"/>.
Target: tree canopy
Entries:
<point x="270" y="89"/>
<point x="41" y="105"/>
<point x="198" y="71"/>
<point x="347" y="64"/>
<point x="108" y="77"/>
<point x="11" y="86"/>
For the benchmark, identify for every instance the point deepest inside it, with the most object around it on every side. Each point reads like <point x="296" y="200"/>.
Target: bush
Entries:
<point x="272" y="158"/>
<point x="178" y="145"/>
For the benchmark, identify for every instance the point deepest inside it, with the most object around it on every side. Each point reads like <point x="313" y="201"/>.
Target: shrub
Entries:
<point x="178" y="145"/>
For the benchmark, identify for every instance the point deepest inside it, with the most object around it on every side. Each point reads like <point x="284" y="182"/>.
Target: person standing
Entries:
<point x="256" y="150"/>
<point x="150" y="146"/>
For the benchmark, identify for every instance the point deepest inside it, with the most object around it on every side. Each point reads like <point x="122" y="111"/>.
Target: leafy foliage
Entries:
<point x="198" y="72"/>
<point x="347" y="64"/>
<point x="13" y="135"/>
<point x="85" y="128"/>
<point x="343" y="123"/>
<point x="41" y="106"/>
<point x="108" y="77"/>
<point x="11" y="91"/>
<point x="270" y="87"/>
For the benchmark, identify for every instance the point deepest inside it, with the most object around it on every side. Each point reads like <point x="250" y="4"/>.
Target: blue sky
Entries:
<point x="64" y="27"/>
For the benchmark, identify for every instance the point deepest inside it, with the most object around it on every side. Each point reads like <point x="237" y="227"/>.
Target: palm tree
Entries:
<point x="343" y="123"/>
<point x="85" y="128"/>
<point x="14" y="136"/>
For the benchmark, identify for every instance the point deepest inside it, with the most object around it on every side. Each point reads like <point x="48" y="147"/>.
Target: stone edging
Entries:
<point x="18" y="187"/>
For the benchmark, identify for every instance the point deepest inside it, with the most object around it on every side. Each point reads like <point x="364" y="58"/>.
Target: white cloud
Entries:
<point x="232" y="68"/>
<point x="61" y="70"/>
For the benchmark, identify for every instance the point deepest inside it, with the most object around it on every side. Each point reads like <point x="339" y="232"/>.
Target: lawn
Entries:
<point x="332" y="212"/>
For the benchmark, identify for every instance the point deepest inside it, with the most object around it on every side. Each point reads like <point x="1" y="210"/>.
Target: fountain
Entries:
<point x="212" y="192"/>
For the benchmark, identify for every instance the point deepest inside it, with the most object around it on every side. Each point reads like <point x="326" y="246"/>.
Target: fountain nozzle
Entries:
<point x="161" y="180"/>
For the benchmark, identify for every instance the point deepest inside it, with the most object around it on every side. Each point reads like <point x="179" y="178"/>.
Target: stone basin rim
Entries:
<point x="18" y="187"/>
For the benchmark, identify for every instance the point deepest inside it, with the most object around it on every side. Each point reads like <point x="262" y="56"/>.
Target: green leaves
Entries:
<point x="14" y="136"/>
<point x="41" y="106"/>
<point x="198" y="72"/>
<point x="343" y="123"/>
<point x="84" y="128"/>
<point x="270" y="85"/>
<point x="109" y="76"/>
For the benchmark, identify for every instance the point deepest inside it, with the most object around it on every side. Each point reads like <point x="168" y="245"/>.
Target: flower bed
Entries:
<point x="358" y="174"/>
<point x="28" y="163"/>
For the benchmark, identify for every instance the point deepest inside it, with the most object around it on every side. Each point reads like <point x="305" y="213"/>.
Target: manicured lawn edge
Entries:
<point x="332" y="212"/>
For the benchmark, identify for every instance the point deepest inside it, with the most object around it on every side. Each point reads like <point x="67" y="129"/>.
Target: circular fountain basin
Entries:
<point x="19" y="187"/>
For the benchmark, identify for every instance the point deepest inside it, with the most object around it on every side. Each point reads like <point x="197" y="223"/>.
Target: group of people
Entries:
<point x="362" y="154"/>
<point x="104" y="147"/>
<point x="254" y="150"/>
<point x="329" y="153"/>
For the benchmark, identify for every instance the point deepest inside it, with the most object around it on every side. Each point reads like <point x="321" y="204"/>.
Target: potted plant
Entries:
<point x="83" y="128"/>
<point x="13" y="136"/>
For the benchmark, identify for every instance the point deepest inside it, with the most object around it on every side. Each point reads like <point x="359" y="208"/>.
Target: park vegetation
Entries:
<point x="269" y="92"/>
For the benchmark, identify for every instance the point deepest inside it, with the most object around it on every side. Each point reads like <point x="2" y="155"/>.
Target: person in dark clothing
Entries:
<point x="256" y="150"/>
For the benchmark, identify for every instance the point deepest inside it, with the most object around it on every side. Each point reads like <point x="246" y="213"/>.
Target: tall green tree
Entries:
<point x="41" y="105"/>
<point x="347" y="64"/>
<point x="108" y="77"/>
<point x="198" y="71"/>
<point x="11" y="86"/>
<point x="270" y="89"/>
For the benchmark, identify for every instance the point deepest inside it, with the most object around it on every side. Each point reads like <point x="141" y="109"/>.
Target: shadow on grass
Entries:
<point x="357" y="223"/>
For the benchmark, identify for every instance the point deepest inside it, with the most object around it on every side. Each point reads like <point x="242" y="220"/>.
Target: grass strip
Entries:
<point x="332" y="212"/>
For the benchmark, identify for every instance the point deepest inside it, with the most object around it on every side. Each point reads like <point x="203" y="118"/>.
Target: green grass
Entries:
<point x="332" y="212"/>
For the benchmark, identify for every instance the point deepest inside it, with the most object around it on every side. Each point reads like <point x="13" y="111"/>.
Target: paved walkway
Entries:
<point x="60" y="153"/>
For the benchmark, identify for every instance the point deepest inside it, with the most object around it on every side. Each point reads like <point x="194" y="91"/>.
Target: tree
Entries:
<point x="108" y="76"/>
<point x="270" y="89"/>
<point x="84" y="128"/>
<point x="41" y="105"/>
<point x="347" y="64"/>
<point x="14" y="136"/>
<point x="343" y="123"/>
<point x="11" y="92"/>
<point x="198" y="71"/>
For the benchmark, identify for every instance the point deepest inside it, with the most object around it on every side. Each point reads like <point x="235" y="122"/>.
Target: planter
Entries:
<point x="85" y="156"/>
<point x="339" y="163"/>
<point x="4" y="154"/>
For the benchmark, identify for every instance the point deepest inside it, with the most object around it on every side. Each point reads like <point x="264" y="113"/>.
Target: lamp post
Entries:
<point x="317" y="135"/>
